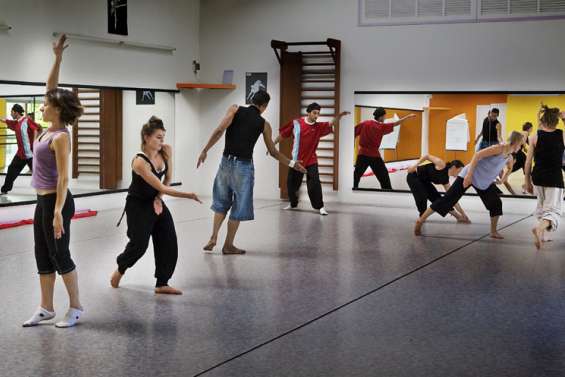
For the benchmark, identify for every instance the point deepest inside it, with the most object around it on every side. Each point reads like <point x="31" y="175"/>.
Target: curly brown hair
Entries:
<point x="153" y="124"/>
<point x="549" y="116"/>
<point x="68" y="104"/>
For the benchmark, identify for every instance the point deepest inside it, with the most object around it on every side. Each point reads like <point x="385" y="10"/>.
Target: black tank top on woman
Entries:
<point x="429" y="173"/>
<point x="140" y="189"/>
<point x="489" y="130"/>
<point x="243" y="132"/>
<point x="548" y="155"/>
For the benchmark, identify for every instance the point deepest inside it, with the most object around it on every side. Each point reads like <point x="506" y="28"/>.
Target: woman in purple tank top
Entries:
<point x="55" y="206"/>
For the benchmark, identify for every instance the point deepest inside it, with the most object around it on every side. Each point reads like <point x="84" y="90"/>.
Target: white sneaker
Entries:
<point x="39" y="316"/>
<point x="289" y="207"/>
<point x="323" y="212"/>
<point x="71" y="318"/>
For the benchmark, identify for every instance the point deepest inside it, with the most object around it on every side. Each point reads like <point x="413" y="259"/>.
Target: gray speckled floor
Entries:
<point x="351" y="294"/>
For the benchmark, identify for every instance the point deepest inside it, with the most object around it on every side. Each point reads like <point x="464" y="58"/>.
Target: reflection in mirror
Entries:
<point x="103" y="141"/>
<point x="445" y="131"/>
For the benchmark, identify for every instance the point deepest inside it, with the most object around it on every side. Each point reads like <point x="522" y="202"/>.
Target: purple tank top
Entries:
<point x="44" y="174"/>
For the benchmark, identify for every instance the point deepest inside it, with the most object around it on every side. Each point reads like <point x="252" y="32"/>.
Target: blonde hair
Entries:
<point x="515" y="137"/>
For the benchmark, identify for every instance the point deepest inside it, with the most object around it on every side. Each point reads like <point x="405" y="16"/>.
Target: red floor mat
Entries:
<point x="78" y="215"/>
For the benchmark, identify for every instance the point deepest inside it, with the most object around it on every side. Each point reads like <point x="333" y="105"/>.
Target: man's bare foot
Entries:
<point x="115" y="279"/>
<point x="166" y="290"/>
<point x="232" y="250"/>
<point x="464" y="220"/>
<point x="537" y="238"/>
<point x="418" y="228"/>
<point x="210" y="245"/>
<point x="496" y="236"/>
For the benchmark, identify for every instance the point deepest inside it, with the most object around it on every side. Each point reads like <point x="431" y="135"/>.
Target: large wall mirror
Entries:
<point x="450" y="126"/>
<point x="103" y="141"/>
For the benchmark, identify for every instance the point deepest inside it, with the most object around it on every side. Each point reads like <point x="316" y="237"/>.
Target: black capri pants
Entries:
<point x="489" y="197"/>
<point x="52" y="254"/>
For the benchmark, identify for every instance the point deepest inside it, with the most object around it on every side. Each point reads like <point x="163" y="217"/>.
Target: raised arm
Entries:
<point x="58" y="48"/>
<point x="217" y="134"/>
<point x="499" y="133"/>
<point x="273" y="151"/>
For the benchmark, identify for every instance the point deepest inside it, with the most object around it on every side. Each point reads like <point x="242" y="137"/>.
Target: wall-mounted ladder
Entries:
<point x="311" y="74"/>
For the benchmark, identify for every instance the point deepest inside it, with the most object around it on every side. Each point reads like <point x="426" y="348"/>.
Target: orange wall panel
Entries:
<point x="457" y="104"/>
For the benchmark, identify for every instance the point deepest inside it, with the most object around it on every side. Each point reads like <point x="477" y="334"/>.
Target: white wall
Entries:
<point x="135" y="116"/>
<point x="169" y="22"/>
<point x="394" y="101"/>
<point x="28" y="44"/>
<point x="485" y="56"/>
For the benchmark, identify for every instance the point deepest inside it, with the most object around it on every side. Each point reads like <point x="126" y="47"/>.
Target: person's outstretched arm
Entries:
<point x="143" y="169"/>
<point x="217" y="134"/>
<point x="401" y="120"/>
<point x="337" y="118"/>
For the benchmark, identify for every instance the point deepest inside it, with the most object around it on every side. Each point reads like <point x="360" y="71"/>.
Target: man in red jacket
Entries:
<point x="370" y="134"/>
<point x="306" y="133"/>
<point x="26" y="130"/>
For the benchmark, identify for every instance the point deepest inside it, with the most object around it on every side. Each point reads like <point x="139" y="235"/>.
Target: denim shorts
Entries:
<point x="485" y="144"/>
<point x="233" y="188"/>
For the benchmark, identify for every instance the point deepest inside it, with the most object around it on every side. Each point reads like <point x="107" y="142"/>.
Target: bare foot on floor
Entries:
<point x="418" y="228"/>
<point x="166" y="290"/>
<point x="496" y="236"/>
<point x="537" y="238"/>
<point x="210" y="245"/>
<point x="232" y="250"/>
<point x="115" y="279"/>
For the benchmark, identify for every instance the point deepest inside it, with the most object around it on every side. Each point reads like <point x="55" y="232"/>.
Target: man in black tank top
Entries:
<point x="233" y="185"/>
<point x="491" y="132"/>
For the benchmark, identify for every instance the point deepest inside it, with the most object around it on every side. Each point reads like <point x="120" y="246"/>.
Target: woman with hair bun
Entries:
<point x="147" y="214"/>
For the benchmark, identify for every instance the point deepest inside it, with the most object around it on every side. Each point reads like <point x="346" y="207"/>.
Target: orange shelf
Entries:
<point x="196" y="85"/>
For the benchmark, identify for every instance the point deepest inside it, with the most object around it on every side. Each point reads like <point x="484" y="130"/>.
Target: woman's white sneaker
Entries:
<point x="71" y="318"/>
<point x="39" y="316"/>
<point x="323" y="211"/>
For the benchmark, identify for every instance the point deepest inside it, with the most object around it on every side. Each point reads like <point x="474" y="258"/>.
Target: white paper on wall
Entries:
<point x="390" y="141"/>
<point x="457" y="133"/>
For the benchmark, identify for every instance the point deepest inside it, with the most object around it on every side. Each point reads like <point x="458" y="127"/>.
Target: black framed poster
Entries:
<point x="254" y="82"/>
<point x="118" y="17"/>
<point x="145" y="97"/>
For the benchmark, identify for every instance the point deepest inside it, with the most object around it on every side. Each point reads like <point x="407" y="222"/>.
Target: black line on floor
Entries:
<point x="354" y="300"/>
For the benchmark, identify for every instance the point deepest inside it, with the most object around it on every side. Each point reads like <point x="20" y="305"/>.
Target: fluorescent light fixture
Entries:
<point x="5" y="27"/>
<point x="117" y="42"/>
